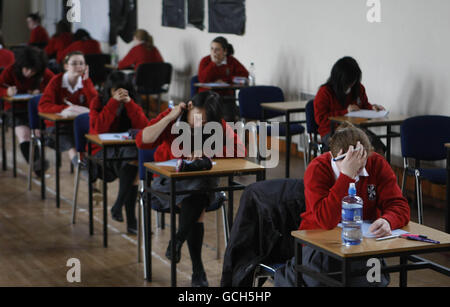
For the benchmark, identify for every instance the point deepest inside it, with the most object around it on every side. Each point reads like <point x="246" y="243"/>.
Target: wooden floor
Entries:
<point x="37" y="240"/>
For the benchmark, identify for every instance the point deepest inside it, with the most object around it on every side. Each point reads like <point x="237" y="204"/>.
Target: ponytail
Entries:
<point x="145" y="37"/>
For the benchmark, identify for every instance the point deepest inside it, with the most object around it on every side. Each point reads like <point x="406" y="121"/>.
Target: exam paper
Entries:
<point x="113" y="136"/>
<point x="368" y="114"/>
<point x="173" y="163"/>
<point x="368" y="234"/>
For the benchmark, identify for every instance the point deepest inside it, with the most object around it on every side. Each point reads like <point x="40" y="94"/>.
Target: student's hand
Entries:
<point x="377" y="107"/>
<point x="176" y="112"/>
<point x="12" y="91"/>
<point x="86" y="73"/>
<point x="353" y="162"/>
<point x="353" y="108"/>
<point x="380" y="228"/>
<point x="122" y="95"/>
<point x="35" y="92"/>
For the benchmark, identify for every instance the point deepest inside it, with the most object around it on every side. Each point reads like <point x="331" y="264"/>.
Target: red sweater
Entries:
<point x="140" y="55"/>
<point x="38" y="35"/>
<point x="326" y="105"/>
<point x="58" y="44"/>
<point x="87" y="47"/>
<point x="324" y="194"/>
<point x="24" y="86"/>
<point x="6" y="58"/>
<point x="208" y="71"/>
<point x="52" y="100"/>
<point x="105" y="120"/>
<point x="164" y="141"/>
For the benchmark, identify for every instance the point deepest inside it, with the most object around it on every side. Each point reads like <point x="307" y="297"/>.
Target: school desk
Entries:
<point x="224" y="168"/>
<point x="329" y="242"/>
<point x="388" y="122"/>
<point x="14" y="101"/>
<point x="288" y="108"/>
<point x="95" y="139"/>
<point x="58" y="120"/>
<point x="447" y="208"/>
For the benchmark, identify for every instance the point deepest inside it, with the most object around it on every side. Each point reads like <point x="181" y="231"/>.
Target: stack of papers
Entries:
<point x="368" y="234"/>
<point x="24" y="96"/>
<point x="173" y="163"/>
<point x="368" y="114"/>
<point x="114" y="136"/>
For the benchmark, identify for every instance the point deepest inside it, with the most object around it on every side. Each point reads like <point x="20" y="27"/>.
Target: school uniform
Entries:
<point x="38" y="35"/>
<point x="58" y="44"/>
<point x="164" y="153"/>
<point x="140" y="54"/>
<point x="114" y="117"/>
<point x="209" y="71"/>
<point x="6" y="57"/>
<point x="23" y="85"/>
<point x="85" y="46"/>
<point x="53" y="101"/>
<point x="325" y="188"/>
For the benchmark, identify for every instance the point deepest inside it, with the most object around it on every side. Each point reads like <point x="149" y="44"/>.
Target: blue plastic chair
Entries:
<point x="194" y="89"/>
<point x="312" y="129"/>
<point x="80" y="129"/>
<point x="423" y="139"/>
<point x="33" y="119"/>
<point x="146" y="156"/>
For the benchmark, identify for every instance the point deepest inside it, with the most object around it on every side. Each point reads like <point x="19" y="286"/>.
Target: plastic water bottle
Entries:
<point x="352" y="218"/>
<point x="171" y="104"/>
<point x="114" y="56"/>
<point x="251" y="75"/>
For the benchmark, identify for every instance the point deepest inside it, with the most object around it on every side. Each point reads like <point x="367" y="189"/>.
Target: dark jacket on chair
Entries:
<point x="261" y="233"/>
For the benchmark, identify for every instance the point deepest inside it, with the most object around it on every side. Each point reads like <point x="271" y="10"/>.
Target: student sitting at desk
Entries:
<point x="60" y="41"/>
<point x="326" y="184"/>
<point x="143" y="52"/>
<point x="192" y="207"/>
<point x="82" y="41"/>
<point x="343" y="93"/>
<point x="6" y="56"/>
<point x="115" y="110"/>
<point x="39" y="36"/>
<point x="65" y="90"/>
<point x="28" y="75"/>
<point x="220" y="66"/>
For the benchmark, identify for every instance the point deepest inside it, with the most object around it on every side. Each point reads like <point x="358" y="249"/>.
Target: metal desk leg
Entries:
<point x="91" y="213"/>
<point x="288" y="143"/>
<point x="13" y="133"/>
<point x="447" y="208"/>
<point x="230" y="203"/>
<point x="403" y="272"/>
<point x="41" y="125"/>
<point x="58" y="163"/>
<point x="147" y="228"/>
<point x="3" y="141"/>
<point x="105" y="201"/>
<point x="388" y="143"/>
<point x="345" y="273"/>
<point x="172" y="232"/>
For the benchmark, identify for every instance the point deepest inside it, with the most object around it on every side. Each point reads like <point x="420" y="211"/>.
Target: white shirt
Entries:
<point x="66" y="84"/>
<point x="224" y="62"/>
<point x="336" y="171"/>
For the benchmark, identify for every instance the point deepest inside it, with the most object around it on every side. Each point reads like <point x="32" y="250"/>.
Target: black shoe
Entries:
<point x="132" y="230"/>
<point x="117" y="215"/>
<point x="178" y="246"/>
<point x="199" y="280"/>
<point x="37" y="167"/>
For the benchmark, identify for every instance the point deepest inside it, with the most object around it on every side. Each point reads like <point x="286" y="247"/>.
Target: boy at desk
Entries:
<point x="326" y="184"/>
<point x="205" y="107"/>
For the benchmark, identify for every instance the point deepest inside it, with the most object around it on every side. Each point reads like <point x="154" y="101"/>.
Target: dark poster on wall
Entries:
<point x="196" y="13"/>
<point x="174" y="14"/>
<point x="227" y="16"/>
<point x="123" y="20"/>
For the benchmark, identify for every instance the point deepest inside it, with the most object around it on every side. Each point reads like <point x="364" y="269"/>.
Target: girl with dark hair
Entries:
<point x="28" y="75"/>
<point x="115" y="110"/>
<point x="343" y="93"/>
<point x="61" y="40"/>
<point x="6" y="56"/>
<point x="66" y="90"/>
<point x="39" y="35"/>
<point x="144" y="52"/>
<point x="205" y="107"/>
<point x="82" y="42"/>
<point x="220" y="66"/>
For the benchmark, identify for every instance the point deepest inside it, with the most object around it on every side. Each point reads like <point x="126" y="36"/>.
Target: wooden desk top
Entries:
<point x="299" y="106"/>
<point x="393" y="119"/>
<point x="56" y="118"/>
<point x="96" y="140"/>
<point x="330" y="240"/>
<point x="223" y="167"/>
<point x="225" y="86"/>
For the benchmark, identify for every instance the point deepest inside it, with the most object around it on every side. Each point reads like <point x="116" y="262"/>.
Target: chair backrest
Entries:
<point x="33" y="113"/>
<point x="194" y="89"/>
<point x="144" y="157"/>
<point x="311" y="125"/>
<point x="250" y="100"/>
<point x="153" y="78"/>
<point x="423" y="137"/>
<point x="97" y="70"/>
<point x="80" y="129"/>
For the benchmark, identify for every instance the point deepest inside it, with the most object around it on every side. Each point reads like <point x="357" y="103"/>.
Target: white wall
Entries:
<point x="405" y="59"/>
<point x="14" y="25"/>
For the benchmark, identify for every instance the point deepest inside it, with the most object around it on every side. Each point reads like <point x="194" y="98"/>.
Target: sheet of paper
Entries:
<point x="368" y="114"/>
<point x="173" y="163"/>
<point x="24" y="96"/>
<point x="214" y="84"/>
<point x="114" y="136"/>
<point x="368" y="234"/>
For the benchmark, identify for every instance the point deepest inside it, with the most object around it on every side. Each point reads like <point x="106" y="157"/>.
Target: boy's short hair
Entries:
<point x="347" y="135"/>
